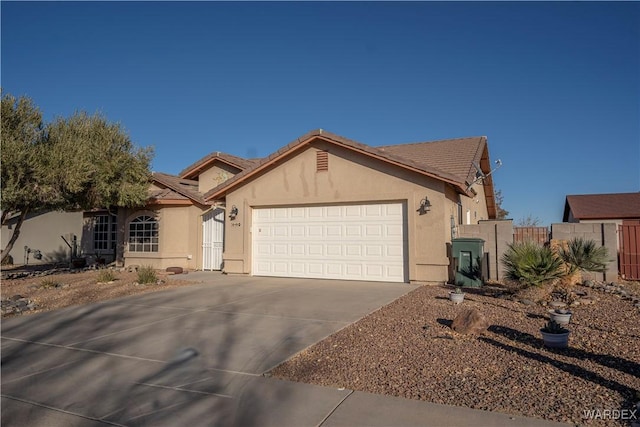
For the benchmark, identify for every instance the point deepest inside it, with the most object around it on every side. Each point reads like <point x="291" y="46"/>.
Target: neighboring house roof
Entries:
<point x="181" y="189"/>
<point x="448" y="161"/>
<point x="192" y="171"/>
<point x="602" y="206"/>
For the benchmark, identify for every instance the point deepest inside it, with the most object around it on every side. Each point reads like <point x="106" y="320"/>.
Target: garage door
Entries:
<point x="352" y="242"/>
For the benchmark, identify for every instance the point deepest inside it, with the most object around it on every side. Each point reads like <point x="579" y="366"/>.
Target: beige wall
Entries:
<point x="180" y="238"/>
<point x="214" y="176"/>
<point x="42" y="232"/>
<point x="351" y="178"/>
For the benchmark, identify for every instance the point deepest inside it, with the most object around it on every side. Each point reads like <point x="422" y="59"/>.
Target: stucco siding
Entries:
<point x="178" y="238"/>
<point x="214" y="176"/>
<point x="350" y="178"/>
<point x="42" y="232"/>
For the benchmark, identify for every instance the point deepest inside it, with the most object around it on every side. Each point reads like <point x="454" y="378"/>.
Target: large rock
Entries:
<point x="470" y="322"/>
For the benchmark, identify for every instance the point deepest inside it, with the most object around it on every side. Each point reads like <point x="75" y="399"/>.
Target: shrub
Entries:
<point x="530" y="264"/>
<point x="146" y="274"/>
<point x="106" y="276"/>
<point x="49" y="283"/>
<point x="584" y="255"/>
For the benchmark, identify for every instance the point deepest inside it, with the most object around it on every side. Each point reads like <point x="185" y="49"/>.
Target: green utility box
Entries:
<point x="468" y="256"/>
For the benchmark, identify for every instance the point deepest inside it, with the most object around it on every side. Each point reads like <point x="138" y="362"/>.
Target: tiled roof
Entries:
<point x="184" y="187"/>
<point x="455" y="156"/>
<point x="166" y="194"/>
<point x="447" y="160"/>
<point x="603" y="206"/>
<point x="238" y="162"/>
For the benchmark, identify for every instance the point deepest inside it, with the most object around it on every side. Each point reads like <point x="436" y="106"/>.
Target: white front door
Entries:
<point x="352" y="242"/>
<point x="212" y="239"/>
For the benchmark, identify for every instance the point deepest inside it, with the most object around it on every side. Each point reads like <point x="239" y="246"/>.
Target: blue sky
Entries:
<point x="554" y="86"/>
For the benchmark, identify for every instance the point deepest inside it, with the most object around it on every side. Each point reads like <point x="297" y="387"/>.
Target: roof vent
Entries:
<point x="322" y="160"/>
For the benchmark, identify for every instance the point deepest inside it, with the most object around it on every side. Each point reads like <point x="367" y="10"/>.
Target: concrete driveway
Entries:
<point x="195" y="357"/>
<point x="189" y="356"/>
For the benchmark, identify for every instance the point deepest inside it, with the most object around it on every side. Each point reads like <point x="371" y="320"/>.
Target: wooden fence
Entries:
<point x="629" y="237"/>
<point x="539" y="235"/>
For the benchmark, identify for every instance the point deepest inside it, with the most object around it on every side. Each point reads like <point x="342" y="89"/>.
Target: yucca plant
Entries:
<point x="531" y="264"/>
<point x="584" y="255"/>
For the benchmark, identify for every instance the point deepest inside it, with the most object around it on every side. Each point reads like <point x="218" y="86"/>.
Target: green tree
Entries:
<point x="500" y="212"/>
<point x="80" y="162"/>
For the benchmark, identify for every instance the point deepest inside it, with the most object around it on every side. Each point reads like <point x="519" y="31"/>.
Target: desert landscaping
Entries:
<point x="409" y="349"/>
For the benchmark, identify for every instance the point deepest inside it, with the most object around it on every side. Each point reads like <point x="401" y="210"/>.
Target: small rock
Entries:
<point x="526" y="302"/>
<point x="557" y="304"/>
<point x="586" y="301"/>
<point x="470" y="322"/>
<point x="575" y="304"/>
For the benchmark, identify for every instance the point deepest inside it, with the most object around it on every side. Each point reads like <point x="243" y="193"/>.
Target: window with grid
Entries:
<point x="104" y="233"/>
<point x="143" y="234"/>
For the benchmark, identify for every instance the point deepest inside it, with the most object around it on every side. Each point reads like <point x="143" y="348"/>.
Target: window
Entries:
<point x="143" y="234"/>
<point x="104" y="232"/>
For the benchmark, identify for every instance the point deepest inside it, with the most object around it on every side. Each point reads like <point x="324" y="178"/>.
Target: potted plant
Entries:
<point x="457" y="296"/>
<point x="555" y="335"/>
<point x="560" y="316"/>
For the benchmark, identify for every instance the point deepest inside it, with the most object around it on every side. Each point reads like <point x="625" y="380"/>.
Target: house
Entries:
<point x="618" y="208"/>
<point x="322" y="206"/>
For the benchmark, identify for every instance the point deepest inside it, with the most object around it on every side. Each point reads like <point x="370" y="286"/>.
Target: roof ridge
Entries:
<point x="432" y="142"/>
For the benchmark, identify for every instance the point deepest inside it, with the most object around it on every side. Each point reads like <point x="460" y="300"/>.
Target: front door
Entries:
<point x="212" y="239"/>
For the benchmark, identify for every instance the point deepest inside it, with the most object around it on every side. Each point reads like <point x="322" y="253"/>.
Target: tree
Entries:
<point x="82" y="162"/>
<point x="500" y="212"/>
<point x="528" y="221"/>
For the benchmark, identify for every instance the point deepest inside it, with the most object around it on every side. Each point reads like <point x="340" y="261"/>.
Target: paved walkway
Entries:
<point x="196" y="356"/>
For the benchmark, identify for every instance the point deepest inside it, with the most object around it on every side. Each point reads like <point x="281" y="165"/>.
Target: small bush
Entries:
<point x="49" y="283"/>
<point x="146" y="274"/>
<point x="106" y="276"/>
<point x="584" y="255"/>
<point x="532" y="265"/>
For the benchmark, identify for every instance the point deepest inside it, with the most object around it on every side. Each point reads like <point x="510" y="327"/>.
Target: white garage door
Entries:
<point x="352" y="242"/>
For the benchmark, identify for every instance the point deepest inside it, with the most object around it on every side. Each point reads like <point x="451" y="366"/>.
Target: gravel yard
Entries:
<point x="408" y="349"/>
<point x="53" y="289"/>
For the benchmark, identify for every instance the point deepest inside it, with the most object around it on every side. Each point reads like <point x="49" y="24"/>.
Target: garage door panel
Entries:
<point x="334" y="250"/>
<point x="373" y="211"/>
<point x="393" y="250"/>
<point x="354" y="250"/>
<point x="314" y="231"/>
<point x="298" y="268"/>
<point x="353" y="270"/>
<point x="334" y="270"/>
<point x="297" y="249"/>
<point x="279" y="249"/>
<point x="297" y="231"/>
<point x="358" y="242"/>
<point x="315" y="269"/>
<point x="374" y="231"/>
<point x="315" y="250"/>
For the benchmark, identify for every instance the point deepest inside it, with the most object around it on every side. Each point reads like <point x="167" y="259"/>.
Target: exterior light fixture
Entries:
<point x="233" y="213"/>
<point x="425" y="206"/>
